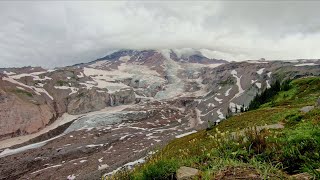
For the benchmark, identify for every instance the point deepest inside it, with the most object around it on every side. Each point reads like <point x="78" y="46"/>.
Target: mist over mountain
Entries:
<point x="56" y="34"/>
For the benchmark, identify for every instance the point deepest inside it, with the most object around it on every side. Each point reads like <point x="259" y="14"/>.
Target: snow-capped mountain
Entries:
<point x="128" y="101"/>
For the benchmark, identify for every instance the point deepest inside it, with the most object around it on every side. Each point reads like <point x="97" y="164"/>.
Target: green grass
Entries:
<point x="303" y="92"/>
<point x="20" y="91"/>
<point x="62" y="83"/>
<point x="272" y="154"/>
<point x="229" y="81"/>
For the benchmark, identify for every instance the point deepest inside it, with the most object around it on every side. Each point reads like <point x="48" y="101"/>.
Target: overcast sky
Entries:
<point x="63" y="33"/>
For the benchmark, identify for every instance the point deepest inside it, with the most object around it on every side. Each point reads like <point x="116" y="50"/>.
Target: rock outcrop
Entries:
<point x="124" y="96"/>
<point x="19" y="115"/>
<point x="187" y="173"/>
<point x="318" y="103"/>
<point x="306" y="109"/>
<point x="91" y="100"/>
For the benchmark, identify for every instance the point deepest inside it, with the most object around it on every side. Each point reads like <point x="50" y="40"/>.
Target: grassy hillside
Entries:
<point x="236" y="149"/>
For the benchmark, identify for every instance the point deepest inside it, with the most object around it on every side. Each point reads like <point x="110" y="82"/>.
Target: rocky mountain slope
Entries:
<point x="121" y="105"/>
<point x="278" y="140"/>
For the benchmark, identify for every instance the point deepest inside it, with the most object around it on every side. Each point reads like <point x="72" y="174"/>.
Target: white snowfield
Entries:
<point x="258" y="85"/>
<point x="8" y="73"/>
<point x="220" y="114"/>
<point x="268" y="84"/>
<point x="99" y="64"/>
<point x="175" y="85"/>
<point x="269" y="74"/>
<point x="107" y="78"/>
<point x="81" y="75"/>
<point x="186" y="134"/>
<point x="211" y="105"/>
<point x="260" y="71"/>
<point x="240" y="90"/>
<point x="73" y="89"/>
<point x="129" y="165"/>
<point x="88" y="84"/>
<point x="228" y="92"/>
<point x="306" y="64"/>
<point x="124" y="58"/>
<point x="35" y="76"/>
<point x="234" y="106"/>
<point x="257" y="62"/>
<point x="217" y="99"/>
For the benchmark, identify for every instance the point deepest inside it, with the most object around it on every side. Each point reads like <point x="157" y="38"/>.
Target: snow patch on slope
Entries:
<point x="269" y="74"/>
<point x="260" y="71"/>
<point x="217" y="99"/>
<point x="228" y="92"/>
<point x="186" y="134"/>
<point x="258" y="85"/>
<point x="234" y="106"/>
<point x="240" y="90"/>
<point x="220" y="114"/>
<point x="268" y="84"/>
<point x="8" y="73"/>
<point x="37" y="90"/>
<point x="306" y="64"/>
<point x="73" y="89"/>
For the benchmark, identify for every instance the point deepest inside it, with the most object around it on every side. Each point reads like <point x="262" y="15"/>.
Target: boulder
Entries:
<point x="302" y="176"/>
<point x="318" y="103"/>
<point x="186" y="173"/>
<point x="306" y="109"/>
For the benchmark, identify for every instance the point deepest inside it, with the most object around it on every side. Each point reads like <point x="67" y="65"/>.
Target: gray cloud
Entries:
<point x="62" y="33"/>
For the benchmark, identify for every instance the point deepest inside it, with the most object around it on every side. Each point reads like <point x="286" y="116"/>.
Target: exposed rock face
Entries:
<point x="186" y="173"/>
<point x="19" y="116"/>
<point x="88" y="101"/>
<point x="94" y="100"/>
<point x="124" y="96"/>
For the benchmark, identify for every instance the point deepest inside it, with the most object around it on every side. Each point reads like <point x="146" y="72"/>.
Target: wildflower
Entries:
<point x="245" y="140"/>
